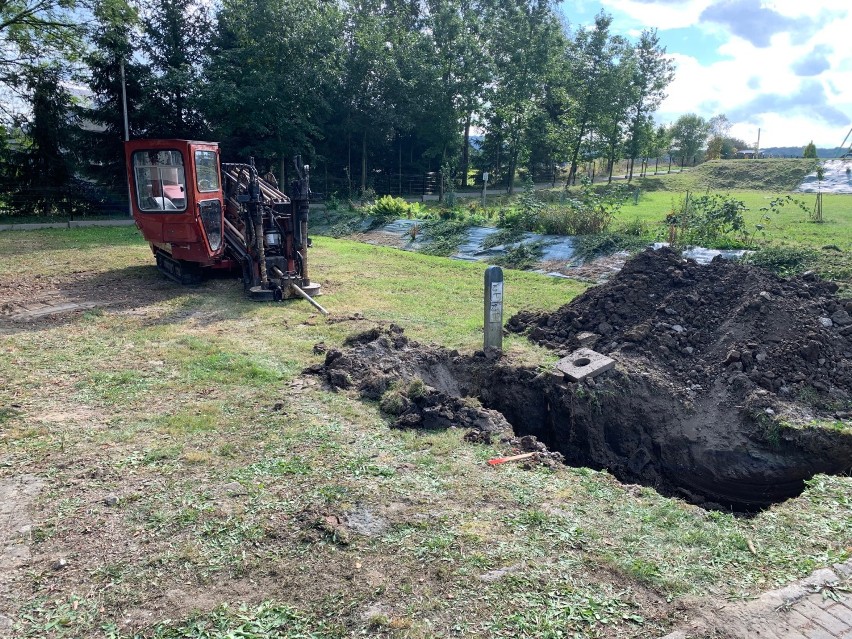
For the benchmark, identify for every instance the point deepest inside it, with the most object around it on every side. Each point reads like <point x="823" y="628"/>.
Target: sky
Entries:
<point x="781" y="66"/>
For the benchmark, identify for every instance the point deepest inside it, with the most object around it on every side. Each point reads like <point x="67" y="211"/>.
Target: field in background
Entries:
<point x="721" y="175"/>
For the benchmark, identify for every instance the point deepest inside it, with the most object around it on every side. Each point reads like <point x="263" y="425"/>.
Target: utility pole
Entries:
<point x="124" y="103"/>
<point x="126" y="133"/>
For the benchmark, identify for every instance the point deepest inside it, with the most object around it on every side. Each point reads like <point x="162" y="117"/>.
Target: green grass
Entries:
<point x="168" y="407"/>
<point x="789" y="225"/>
<point x="741" y="175"/>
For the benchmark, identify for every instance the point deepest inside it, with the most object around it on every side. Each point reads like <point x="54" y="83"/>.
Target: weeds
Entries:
<point x="444" y="236"/>
<point x="388" y="208"/>
<point x="7" y="414"/>
<point x="784" y="260"/>
<point x="269" y="620"/>
<point x="588" y="211"/>
<point x="592" y="246"/>
<point x="509" y="235"/>
<point x="712" y="220"/>
<point x="521" y="257"/>
<point x="570" y="608"/>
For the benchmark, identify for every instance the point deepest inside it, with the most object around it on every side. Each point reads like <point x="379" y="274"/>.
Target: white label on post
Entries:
<point x="496" y="312"/>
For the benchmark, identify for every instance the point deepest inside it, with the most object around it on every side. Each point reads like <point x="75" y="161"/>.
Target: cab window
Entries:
<point x="160" y="180"/>
<point x="206" y="171"/>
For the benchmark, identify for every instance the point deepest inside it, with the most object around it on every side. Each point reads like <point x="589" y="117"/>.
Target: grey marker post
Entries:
<point x="494" y="307"/>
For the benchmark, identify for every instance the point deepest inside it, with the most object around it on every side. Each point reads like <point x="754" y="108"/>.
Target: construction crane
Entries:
<point x="200" y="215"/>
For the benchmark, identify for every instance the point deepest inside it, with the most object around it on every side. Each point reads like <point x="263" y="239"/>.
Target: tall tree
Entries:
<point x="272" y="63"/>
<point x="458" y="32"/>
<point x="611" y="120"/>
<point x="176" y="34"/>
<point x="44" y="164"/>
<point x="590" y="55"/>
<point x="689" y="132"/>
<point x="810" y="151"/>
<point x="113" y="35"/>
<point x="525" y="37"/>
<point x="652" y="73"/>
<point x="32" y="31"/>
<point x="718" y="126"/>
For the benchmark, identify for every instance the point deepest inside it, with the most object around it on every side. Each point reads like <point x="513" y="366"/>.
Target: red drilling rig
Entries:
<point x="200" y="215"/>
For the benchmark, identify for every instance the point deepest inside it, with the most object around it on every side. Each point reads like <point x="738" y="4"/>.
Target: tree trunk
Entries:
<point x="573" y="170"/>
<point x="466" y="151"/>
<point x="364" y="162"/>
<point x="441" y="175"/>
<point x="349" y="163"/>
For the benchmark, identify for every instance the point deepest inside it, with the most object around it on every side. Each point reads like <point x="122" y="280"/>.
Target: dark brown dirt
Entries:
<point x="721" y="370"/>
<point x="726" y="322"/>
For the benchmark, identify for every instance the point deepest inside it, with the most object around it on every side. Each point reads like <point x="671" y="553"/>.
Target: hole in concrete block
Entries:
<point x="583" y="361"/>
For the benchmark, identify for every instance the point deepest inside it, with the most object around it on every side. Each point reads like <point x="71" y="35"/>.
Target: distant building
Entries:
<point x="748" y="154"/>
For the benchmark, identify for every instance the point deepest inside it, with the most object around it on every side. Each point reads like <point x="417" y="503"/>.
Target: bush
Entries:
<point x="585" y="212"/>
<point x="712" y="220"/>
<point x="636" y="228"/>
<point x="388" y="207"/>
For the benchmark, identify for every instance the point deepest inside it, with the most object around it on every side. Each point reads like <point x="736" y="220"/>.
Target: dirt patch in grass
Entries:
<point x="16" y="497"/>
<point x="720" y="370"/>
<point x="41" y="300"/>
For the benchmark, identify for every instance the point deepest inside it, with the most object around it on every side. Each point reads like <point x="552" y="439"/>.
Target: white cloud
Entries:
<point x="760" y="85"/>
<point x="671" y="14"/>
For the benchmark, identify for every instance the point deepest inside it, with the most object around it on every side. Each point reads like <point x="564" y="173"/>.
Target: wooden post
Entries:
<point x="494" y="307"/>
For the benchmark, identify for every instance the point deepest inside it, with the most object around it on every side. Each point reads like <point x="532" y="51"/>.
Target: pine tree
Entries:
<point x="112" y="35"/>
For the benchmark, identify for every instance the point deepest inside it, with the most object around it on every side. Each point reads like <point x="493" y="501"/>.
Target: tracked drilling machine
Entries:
<point x="200" y="215"/>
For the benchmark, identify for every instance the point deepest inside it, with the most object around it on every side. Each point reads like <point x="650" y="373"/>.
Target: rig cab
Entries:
<point x="199" y="214"/>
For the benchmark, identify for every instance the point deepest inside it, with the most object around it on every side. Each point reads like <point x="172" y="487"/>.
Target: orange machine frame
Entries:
<point x="178" y="233"/>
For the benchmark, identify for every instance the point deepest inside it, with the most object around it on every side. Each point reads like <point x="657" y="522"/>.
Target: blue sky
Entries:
<point x="784" y="66"/>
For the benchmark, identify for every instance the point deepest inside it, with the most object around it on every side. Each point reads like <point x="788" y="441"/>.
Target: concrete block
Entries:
<point x="584" y="363"/>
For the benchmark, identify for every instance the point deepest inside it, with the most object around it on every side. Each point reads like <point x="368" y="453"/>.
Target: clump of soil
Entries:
<point x="428" y="388"/>
<point x="418" y="387"/>
<point x="720" y="369"/>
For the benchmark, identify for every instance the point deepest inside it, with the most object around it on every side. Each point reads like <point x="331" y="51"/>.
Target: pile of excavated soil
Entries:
<point x="428" y="388"/>
<point x="418" y="387"/>
<point x="723" y="322"/>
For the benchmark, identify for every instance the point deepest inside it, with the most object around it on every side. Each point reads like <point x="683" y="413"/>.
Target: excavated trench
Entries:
<point x="704" y="450"/>
<point x="711" y="454"/>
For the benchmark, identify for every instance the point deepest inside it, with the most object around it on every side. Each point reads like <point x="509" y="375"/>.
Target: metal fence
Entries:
<point x="74" y="201"/>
